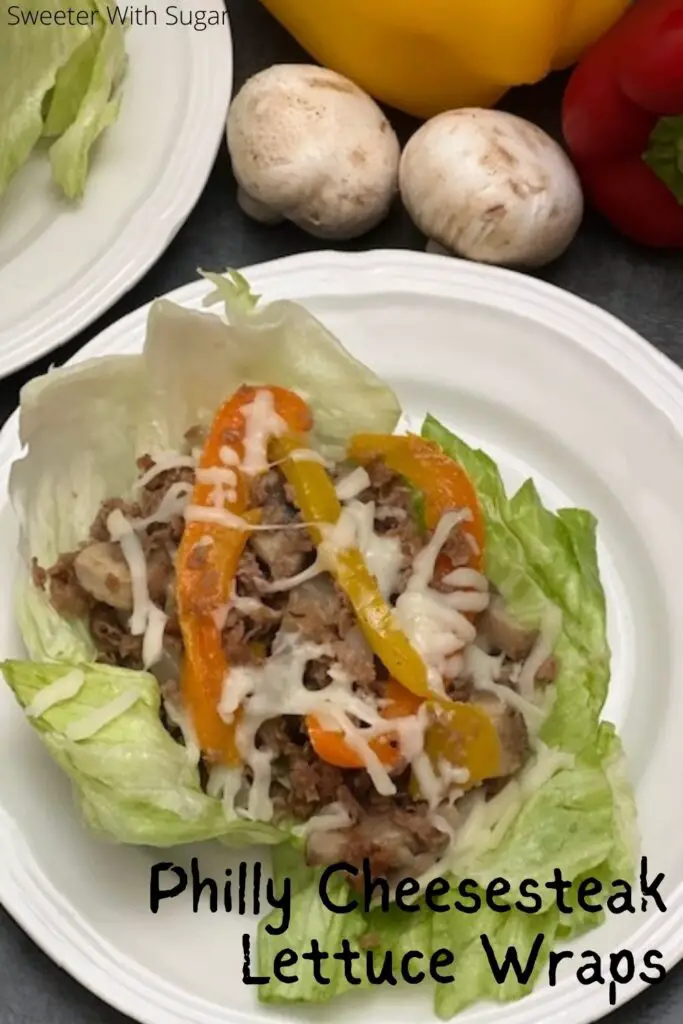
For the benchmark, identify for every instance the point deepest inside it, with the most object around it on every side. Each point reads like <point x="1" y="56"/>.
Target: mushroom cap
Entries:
<point x="492" y="187"/>
<point x="310" y="145"/>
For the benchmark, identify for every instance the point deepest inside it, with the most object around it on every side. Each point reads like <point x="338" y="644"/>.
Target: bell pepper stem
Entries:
<point x="665" y="153"/>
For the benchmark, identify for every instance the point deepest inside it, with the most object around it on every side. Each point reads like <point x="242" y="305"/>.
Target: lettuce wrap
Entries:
<point x="571" y="808"/>
<point x="84" y="426"/>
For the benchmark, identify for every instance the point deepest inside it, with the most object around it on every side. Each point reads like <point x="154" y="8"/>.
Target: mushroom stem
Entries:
<point x="256" y="210"/>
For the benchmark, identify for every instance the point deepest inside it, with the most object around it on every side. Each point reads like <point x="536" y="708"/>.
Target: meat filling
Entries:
<point x="398" y="834"/>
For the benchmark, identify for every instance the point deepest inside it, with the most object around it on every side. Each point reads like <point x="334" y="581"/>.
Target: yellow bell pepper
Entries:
<point x="317" y="499"/>
<point x="432" y="55"/>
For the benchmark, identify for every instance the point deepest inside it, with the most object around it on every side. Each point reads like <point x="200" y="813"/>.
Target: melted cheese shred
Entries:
<point x="163" y="462"/>
<point x="96" y="720"/>
<point x="66" y="688"/>
<point x="147" y="620"/>
<point x="277" y="688"/>
<point x="173" y="503"/>
<point x="484" y="671"/>
<point x="355" y="528"/>
<point x="174" y="710"/>
<point x="353" y="484"/>
<point x="261" y="424"/>
<point x="434" y="622"/>
<point x="153" y="640"/>
<point x="549" y="633"/>
<point x="122" y="532"/>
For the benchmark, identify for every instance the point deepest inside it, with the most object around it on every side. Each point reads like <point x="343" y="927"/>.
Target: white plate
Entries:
<point x="550" y="386"/>
<point x="60" y="268"/>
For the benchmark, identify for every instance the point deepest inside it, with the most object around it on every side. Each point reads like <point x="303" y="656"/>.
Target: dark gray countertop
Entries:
<point x="644" y="288"/>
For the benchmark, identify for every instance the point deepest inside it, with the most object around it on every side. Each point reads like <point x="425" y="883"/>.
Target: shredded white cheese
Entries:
<point x="551" y="627"/>
<point x="467" y="578"/>
<point x="173" y="503"/>
<point x="279" y="586"/>
<point x="66" y="688"/>
<point x="261" y="424"/>
<point x="228" y="456"/>
<point x="277" y="688"/>
<point x="484" y="670"/>
<point x="217" y="475"/>
<point x="304" y="455"/>
<point x="329" y="819"/>
<point x="436" y="629"/>
<point x="96" y="720"/>
<point x="225" y="784"/>
<point x="223" y="517"/>
<point x="121" y="531"/>
<point x="162" y="463"/>
<point x="177" y="715"/>
<point x="153" y="641"/>
<point x="216" y="516"/>
<point x="355" y="529"/>
<point x="353" y="484"/>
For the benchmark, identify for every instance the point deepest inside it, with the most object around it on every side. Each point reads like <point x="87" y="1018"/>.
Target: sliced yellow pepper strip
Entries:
<point x="317" y="499"/>
<point x="464" y="735"/>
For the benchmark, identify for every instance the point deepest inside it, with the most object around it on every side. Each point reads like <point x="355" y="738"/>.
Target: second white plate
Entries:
<point x="61" y="267"/>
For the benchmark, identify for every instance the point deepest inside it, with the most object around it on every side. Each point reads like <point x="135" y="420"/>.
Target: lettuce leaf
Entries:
<point x="31" y="57"/>
<point x="345" y="397"/>
<point x="60" y="82"/>
<point x="99" y="108"/>
<point x="71" y="84"/>
<point x="309" y="919"/>
<point x="538" y="559"/>
<point x="579" y="815"/>
<point x="133" y="782"/>
<point x="83" y="427"/>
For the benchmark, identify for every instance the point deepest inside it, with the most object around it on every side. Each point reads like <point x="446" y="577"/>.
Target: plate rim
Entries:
<point x="156" y="221"/>
<point x="69" y="941"/>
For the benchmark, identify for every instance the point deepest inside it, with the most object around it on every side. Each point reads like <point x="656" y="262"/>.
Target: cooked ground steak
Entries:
<point x="397" y="834"/>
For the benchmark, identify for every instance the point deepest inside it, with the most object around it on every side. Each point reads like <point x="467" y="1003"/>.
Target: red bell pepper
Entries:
<point x="622" y="121"/>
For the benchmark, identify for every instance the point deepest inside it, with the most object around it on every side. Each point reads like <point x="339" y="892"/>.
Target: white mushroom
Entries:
<point x="309" y="146"/>
<point x="492" y="187"/>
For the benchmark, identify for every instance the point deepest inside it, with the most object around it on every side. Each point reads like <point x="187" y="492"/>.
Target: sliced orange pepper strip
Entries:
<point x="443" y="482"/>
<point x="333" y="748"/>
<point x="462" y="734"/>
<point x="207" y="561"/>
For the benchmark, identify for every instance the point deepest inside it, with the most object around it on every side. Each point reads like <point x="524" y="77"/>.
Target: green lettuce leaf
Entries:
<point x="61" y="82"/>
<point x="474" y="979"/>
<point x="133" y="782"/>
<point x="71" y="84"/>
<point x="300" y="352"/>
<point x="310" y="920"/>
<point x="31" y="57"/>
<point x="539" y="559"/>
<point x="99" y="108"/>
